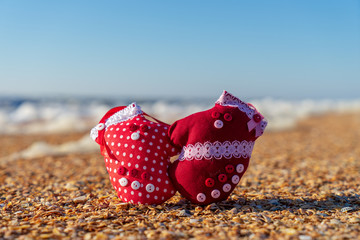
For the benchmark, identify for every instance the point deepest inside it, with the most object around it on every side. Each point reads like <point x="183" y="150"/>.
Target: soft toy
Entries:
<point x="137" y="154"/>
<point x="216" y="147"/>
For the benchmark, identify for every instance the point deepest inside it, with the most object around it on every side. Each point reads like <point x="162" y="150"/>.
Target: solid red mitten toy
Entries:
<point x="137" y="154"/>
<point x="216" y="148"/>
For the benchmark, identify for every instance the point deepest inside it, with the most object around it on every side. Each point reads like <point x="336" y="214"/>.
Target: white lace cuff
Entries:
<point x="217" y="150"/>
<point x="123" y="115"/>
<point x="227" y="99"/>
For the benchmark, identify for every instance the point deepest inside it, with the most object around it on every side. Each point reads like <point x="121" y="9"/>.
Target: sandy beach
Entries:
<point x="302" y="183"/>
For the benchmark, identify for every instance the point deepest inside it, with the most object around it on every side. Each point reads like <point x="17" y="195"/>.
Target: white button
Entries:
<point x="235" y="179"/>
<point x="100" y="126"/>
<point x="218" y="124"/>
<point x="123" y="182"/>
<point x="215" y="193"/>
<point x="135" y="136"/>
<point x="240" y="168"/>
<point x="150" y="187"/>
<point x="135" y="185"/>
<point x="201" y="197"/>
<point x="227" y="187"/>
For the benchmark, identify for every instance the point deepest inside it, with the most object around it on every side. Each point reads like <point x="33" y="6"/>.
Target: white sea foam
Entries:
<point x="284" y="114"/>
<point x="41" y="149"/>
<point x="30" y="118"/>
<point x="55" y="116"/>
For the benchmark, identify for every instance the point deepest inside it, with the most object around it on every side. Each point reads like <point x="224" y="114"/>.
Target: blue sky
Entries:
<point x="287" y="49"/>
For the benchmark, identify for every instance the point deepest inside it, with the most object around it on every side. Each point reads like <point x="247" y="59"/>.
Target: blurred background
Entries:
<point x="63" y="64"/>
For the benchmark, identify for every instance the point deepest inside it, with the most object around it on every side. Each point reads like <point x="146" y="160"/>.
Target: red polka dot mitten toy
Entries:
<point x="216" y="148"/>
<point x="137" y="154"/>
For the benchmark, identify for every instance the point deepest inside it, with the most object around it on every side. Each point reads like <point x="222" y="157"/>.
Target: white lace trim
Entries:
<point x="123" y="115"/>
<point x="227" y="99"/>
<point x="94" y="133"/>
<point x="217" y="150"/>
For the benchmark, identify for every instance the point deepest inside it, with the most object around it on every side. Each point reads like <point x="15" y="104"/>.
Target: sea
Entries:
<point x="42" y="115"/>
<point x="54" y="115"/>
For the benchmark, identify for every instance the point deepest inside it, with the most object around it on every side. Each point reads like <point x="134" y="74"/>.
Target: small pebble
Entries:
<point x="354" y="220"/>
<point x="347" y="209"/>
<point x="237" y="220"/>
<point x="322" y="214"/>
<point x="184" y="213"/>
<point x="335" y="221"/>
<point x="193" y="220"/>
<point x="213" y="206"/>
<point x="80" y="199"/>
<point x="305" y="237"/>
<point x="274" y="202"/>
<point x="70" y="187"/>
<point x="233" y="211"/>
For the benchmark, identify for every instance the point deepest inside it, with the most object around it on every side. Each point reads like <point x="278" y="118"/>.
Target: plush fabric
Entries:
<point x="136" y="153"/>
<point x="216" y="146"/>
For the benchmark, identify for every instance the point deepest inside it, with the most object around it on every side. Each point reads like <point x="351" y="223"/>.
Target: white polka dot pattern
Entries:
<point x="139" y="170"/>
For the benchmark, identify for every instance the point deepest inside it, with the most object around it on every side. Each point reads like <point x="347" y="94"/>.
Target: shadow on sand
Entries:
<point x="332" y="202"/>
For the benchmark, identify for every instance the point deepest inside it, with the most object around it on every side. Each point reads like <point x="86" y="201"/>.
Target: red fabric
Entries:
<point x="141" y="159"/>
<point x="215" y="150"/>
<point x="191" y="177"/>
<point x="100" y="138"/>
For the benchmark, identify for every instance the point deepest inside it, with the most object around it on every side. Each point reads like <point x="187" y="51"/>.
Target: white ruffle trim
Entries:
<point x="227" y="99"/>
<point x="125" y="114"/>
<point x="94" y="133"/>
<point x="217" y="150"/>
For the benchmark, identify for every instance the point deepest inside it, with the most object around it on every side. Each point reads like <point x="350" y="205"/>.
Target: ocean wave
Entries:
<point x="41" y="149"/>
<point x="284" y="114"/>
<point x="42" y="116"/>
